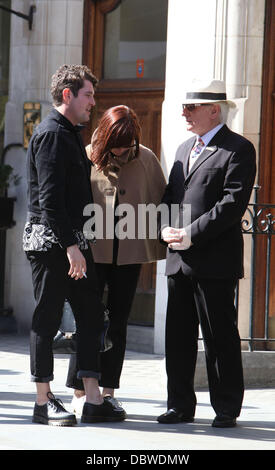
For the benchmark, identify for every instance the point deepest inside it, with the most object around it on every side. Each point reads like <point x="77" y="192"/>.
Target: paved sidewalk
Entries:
<point x="143" y="395"/>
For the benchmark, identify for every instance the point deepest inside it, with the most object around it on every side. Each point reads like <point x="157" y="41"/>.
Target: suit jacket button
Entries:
<point x="122" y="192"/>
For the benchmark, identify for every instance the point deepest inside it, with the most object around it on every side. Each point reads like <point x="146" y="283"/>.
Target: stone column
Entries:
<point x="190" y="54"/>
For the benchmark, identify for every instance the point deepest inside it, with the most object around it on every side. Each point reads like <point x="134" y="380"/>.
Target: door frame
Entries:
<point x="94" y="18"/>
<point x="267" y="136"/>
<point x="266" y="165"/>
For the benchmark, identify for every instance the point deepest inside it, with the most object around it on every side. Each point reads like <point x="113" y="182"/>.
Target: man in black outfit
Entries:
<point x="213" y="174"/>
<point x="60" y="257"/>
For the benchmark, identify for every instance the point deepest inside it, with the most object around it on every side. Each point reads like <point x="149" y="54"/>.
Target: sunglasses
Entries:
<point x="191" y="107"/>
<point x="123" y="153"/>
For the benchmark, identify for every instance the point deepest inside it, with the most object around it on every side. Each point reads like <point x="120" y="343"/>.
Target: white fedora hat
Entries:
<point x="212" y="91"/>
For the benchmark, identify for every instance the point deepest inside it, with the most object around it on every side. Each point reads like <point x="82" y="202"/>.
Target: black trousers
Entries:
<point x="122" y="283"/>
<point x="52" y="286"/>
<point x="209" y="302"/>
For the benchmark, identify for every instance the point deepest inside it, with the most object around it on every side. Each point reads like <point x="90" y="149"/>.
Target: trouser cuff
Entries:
<point x="82" y="374"/>
<point x="42" y="379"/>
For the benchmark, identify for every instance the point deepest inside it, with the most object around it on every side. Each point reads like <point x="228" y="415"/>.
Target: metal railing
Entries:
<point x="259" y="221"/>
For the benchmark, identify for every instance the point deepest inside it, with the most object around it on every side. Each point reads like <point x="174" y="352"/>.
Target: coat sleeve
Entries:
<point x="237" y="187"/>
<point x="156" y="184"/>
<point x="164" y="217"/>
<point x="159" y="181"/>
<point x="49" y="158"/>
<point x="170" y="201"/>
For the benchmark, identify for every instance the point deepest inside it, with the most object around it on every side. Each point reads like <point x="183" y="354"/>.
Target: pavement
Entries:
<point x="143" y="395"/>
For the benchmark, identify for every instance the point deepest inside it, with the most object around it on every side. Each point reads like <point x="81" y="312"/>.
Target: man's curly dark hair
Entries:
<point x="72" y="77"/>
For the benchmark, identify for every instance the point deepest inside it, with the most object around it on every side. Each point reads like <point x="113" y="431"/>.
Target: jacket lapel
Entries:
<point x="209" y="150"/>
<point x="185" y="162"/>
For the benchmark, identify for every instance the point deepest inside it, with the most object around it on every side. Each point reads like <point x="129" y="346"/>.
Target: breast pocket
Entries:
<point x="210" y="176"/>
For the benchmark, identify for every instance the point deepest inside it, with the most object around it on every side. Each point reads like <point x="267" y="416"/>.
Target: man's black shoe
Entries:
<point x="224" y="421"/>
<point x="99" y="413"/>
<point x="53" y="413"/>
<point x="173" y="416"/>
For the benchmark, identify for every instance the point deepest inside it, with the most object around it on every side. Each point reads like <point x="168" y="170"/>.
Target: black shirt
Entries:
<point x="58" y="177"/>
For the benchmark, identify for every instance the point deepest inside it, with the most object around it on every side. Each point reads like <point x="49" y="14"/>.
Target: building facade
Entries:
<point x="144" y="53"/>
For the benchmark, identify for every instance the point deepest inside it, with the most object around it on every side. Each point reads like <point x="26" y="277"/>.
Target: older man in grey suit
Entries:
<point x="213" y="173"/>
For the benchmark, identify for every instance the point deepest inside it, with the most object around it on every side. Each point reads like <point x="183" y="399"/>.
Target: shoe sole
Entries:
<point x="230" y="425"/>
<point x="187" y="420"/>
<point x="54" y="422"/>
<point x="101" y="419"/>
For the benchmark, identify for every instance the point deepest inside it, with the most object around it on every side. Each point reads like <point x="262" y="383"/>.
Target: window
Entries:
<point x="135" y="40"/>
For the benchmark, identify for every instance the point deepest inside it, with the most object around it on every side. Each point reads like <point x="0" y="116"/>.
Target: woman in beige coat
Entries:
<point x="125" y="175"/>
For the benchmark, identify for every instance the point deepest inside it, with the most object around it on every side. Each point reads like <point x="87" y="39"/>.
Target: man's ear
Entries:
<point x="215" y="110"/>
<point x="66" y="94"/>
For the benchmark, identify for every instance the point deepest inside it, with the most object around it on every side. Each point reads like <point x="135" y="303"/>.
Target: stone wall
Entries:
<point x="55" y="39"/>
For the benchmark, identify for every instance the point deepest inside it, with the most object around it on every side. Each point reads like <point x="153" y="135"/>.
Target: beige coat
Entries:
<point x="139" y="181"/>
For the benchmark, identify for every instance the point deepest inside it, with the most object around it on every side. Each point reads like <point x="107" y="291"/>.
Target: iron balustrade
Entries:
<point x="258" y="220"/>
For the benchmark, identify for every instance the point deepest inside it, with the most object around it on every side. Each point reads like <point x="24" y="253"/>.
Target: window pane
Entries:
<point x="135" y="40"/>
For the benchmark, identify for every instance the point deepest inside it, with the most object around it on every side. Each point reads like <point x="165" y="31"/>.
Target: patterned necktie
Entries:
<point x="196" y="150"/>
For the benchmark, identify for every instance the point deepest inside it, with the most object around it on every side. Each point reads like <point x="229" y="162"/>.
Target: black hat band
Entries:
<point x="205" y="96"/>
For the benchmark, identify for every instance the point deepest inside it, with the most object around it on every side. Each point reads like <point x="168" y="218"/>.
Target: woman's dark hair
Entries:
<point x="72" y="77"/>
<point x="118" y="127"/>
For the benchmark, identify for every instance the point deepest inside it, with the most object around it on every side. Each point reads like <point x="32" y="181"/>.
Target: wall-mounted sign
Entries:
<point x="32" y="117"/>
<point x="140" y="68"/>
